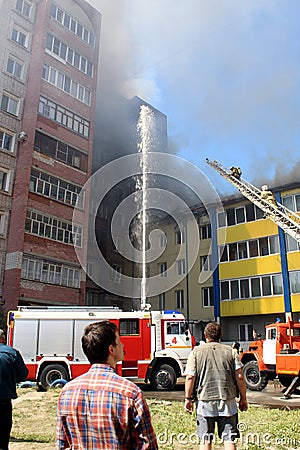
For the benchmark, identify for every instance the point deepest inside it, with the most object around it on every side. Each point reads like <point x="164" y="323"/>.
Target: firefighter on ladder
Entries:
<point x="267" y="195"/>
<point x="235" y="172"/>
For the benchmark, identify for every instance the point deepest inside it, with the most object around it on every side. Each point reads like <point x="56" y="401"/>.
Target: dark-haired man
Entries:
<point x="214" y="374"/>
<point x="12" y="371"/>
<point x="101" y="410"/>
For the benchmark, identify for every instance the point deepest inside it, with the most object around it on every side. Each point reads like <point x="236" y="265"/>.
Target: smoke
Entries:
<point x="225" y="73"/>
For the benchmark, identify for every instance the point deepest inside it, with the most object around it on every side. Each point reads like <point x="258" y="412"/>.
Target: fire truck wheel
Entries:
<point x="51" y="373"/>
<point x="163" y="378"/>
<point x="255" y="380"/>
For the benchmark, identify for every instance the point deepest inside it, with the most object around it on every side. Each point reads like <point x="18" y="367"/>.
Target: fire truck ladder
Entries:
<point x="282" y="216"/>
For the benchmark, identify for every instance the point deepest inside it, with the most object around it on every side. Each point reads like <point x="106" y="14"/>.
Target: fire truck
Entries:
<point x="277" y="355"/>
<point x="156" y="343"/>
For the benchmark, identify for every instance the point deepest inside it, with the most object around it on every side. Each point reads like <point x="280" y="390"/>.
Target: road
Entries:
<point x="271" y="396"/>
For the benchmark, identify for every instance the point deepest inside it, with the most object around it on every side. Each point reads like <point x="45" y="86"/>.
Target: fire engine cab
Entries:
<point x="156" y="343"/>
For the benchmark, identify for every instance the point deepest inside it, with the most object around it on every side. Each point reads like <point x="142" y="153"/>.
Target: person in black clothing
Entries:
<point x="12" y="371"/>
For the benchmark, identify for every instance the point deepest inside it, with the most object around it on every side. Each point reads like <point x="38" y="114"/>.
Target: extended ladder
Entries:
<point x="282" y="216"/>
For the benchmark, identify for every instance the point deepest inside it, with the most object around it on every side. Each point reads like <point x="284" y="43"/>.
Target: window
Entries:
<point x="116" y="273"/>
<point x="53" y="228"/>
<point x="263" y="246"/>
<point x="2" y="222"/>
<point x="207" y="296"/>
<point x="162" y="240"/>
<point x="6" y="141"/>
<point x="51" y="272"/>
<point x="222" y="219"/>
<point x="233" y="256"/>
<point x="19" y="37"/>
<point x="179" y="236"/>
<point x="129" y="327"/>
<point x="291" y="244"/>
<point x="245" y="332"/>
<point x="206" y="263"/>
<point x="266" y="285"/>
<point x="205" y="232"/>
<point x="179" y="295"/>
<point x="64" y="52"/>
<point x="163" y="269"/>
<point x="71" y="24"/>
<point x="240" y="215"/>
<point x="162" y="301"/>
<point x="180" y="266"/>
<point x="24" y="7"/>
<point x="14" y="67"/>
<point x="49" y="186"/>
<point x="242" y="250"/>
<point x="249" y="249"/>
<point x="63" y="116"/>
<point x="65" y="83"/>
<point x="4" y="180"/>
<point x="295" y="281"/>
<point x="10" y="104"/>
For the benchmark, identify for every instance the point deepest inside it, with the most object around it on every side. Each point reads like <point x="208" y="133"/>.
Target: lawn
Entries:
<point x="261" y="428"/>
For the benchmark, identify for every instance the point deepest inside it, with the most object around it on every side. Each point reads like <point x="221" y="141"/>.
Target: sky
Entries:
<point x="225" y="72"/>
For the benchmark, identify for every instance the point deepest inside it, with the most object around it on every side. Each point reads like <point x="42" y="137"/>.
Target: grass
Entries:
<point x="261" y="428"/>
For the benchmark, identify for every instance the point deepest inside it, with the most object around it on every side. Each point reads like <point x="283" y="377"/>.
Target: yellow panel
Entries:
<point x="249" y="267"/>
<point x="295" y="298"/>
<point x="293" y="260"/>
<point x="249" y="307"/>
<point x="248" y="230"/>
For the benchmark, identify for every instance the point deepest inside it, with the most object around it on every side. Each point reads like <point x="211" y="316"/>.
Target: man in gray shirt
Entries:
<point x="214" y="378"/>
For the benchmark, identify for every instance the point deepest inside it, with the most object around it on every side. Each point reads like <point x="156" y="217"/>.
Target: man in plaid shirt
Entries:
<point x="101" y="410"/>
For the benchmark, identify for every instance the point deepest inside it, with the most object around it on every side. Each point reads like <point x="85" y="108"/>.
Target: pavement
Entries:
<point x="272" y="396"/>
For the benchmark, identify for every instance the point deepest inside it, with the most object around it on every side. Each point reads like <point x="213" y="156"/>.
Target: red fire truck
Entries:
<point x="156" y="343"/>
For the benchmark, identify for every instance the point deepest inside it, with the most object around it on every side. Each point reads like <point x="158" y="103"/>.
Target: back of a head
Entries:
<point x="96" y="339"/>
<point x="213" y="332"/>
<point x="2" y="337"/>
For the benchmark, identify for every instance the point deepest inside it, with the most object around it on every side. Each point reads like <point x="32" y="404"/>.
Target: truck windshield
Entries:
<point x="177" y="327"/>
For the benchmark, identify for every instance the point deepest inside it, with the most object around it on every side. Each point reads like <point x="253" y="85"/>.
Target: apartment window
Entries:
<point x="207" y="296"/>
<point x="60" y="151"/>
<point x="63" y="116"/>
<point x="253" y="248"/>
<point x="10" y="104"/>
<point x="291" y="244"/>
<point x="240" y="215"/>
<point x="71" y="24"/>
<point x="179" y="295"/>
<point x="4" y="180"/>
<point x="60" y="190"/>
<point x="162" y="301"/>
<point x="6" y="141"/>
<point x="24" y="7"/>
<point x="2" y="222"/>
<point x="251" y="287"/>
<point x="51" y="272"/>
<point x="19" y="37"/>
<point x="180" y="266"/>
<point x="53" y="228"/>
<point x="69" y="55"/>
<point x="245" y="332"/>
<point x="205" y="232"/>
<point x="242" y="250"/>
<point x="162" y="240"/>
<point x="163" y="269"/>
<point x="14" y="67"/>
<point x="295" y="282"/>
<point x="233" y="255"/>
<point x="65" y="83"/>
<point x="179" y="235"/>
<point x="206" y="263"/>
<point x="116" y="273"/>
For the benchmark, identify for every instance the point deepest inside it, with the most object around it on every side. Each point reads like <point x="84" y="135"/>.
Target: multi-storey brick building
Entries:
<point x="49" y="65"/>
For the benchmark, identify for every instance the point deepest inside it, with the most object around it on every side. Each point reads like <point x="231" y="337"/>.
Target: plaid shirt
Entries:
<point x="101" y="410"/>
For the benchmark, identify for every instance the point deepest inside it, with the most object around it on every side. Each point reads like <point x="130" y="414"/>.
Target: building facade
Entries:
<point x="256" y="280"/>
<point x="49" y="65"/>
